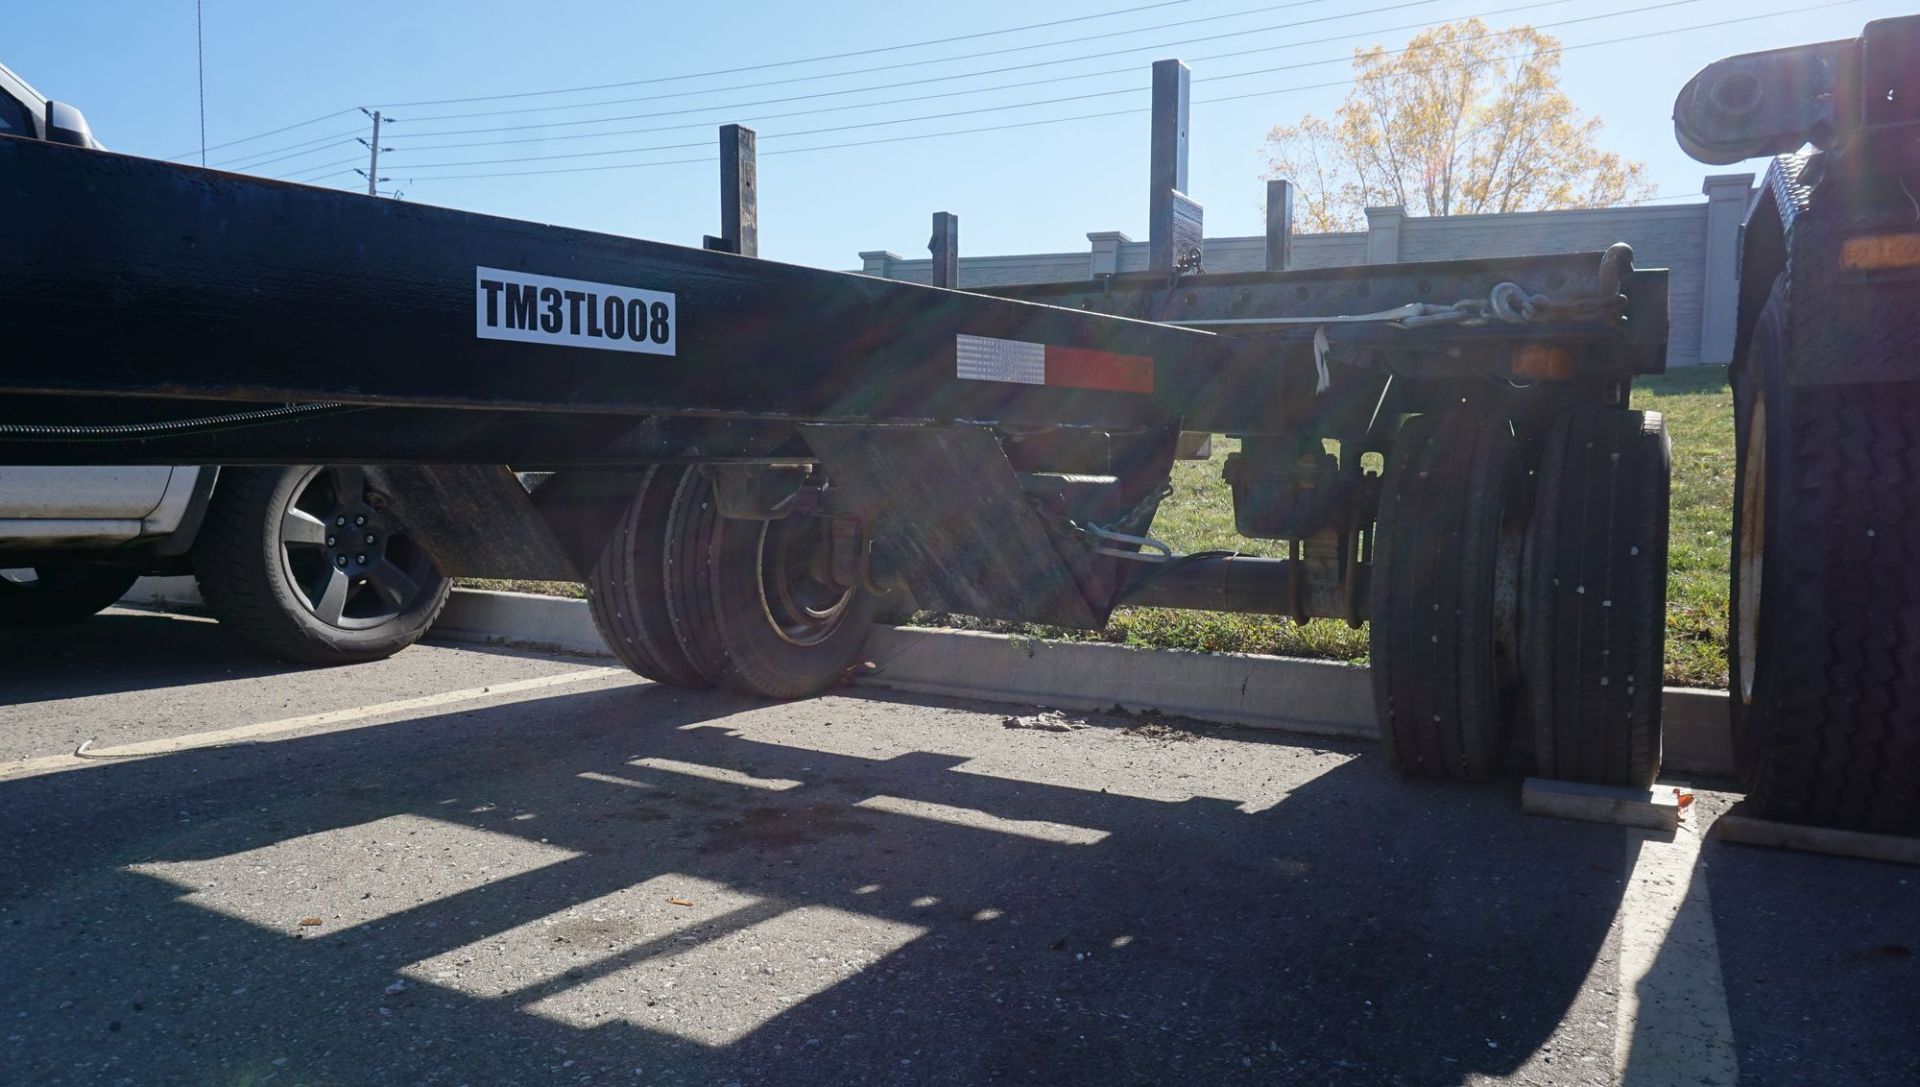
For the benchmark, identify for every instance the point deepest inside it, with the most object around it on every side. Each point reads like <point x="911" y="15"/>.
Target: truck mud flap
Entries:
<point x="475" y="520"/>
<point x="949" y="511"/>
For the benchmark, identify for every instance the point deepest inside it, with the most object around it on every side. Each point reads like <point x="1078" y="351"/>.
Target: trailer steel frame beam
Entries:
<point x="134" y="278"/>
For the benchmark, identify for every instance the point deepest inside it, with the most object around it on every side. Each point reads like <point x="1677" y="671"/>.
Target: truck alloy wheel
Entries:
<point x="346" y="561"/>
<point x="300" y="563"/>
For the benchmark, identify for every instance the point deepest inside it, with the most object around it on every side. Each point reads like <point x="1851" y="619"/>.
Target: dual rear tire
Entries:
<point x="1494" y="608"/>
<point x="689" y="598"/>
<point x="1825" y="632"/>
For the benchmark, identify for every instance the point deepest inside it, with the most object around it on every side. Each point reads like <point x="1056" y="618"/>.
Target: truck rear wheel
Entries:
<point x="1594" y="618"/>
<point x="627" y="591"/>
<point x="1444" y="596"/>
<point x="1826" y="592"/>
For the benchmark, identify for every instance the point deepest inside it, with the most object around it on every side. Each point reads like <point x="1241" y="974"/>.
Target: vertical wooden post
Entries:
<point x="739" y="199"/>
<point x="1279" y="225"/>
<point x="945" y="247"/>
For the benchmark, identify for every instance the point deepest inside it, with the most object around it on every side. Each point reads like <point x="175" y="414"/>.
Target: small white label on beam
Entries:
<point x="983" y="358"/>
<point x="528" y="308"/>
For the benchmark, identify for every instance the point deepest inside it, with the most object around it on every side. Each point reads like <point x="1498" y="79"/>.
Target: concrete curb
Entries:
<point x="525" y="619"/>
<point x="1315" y="698"/>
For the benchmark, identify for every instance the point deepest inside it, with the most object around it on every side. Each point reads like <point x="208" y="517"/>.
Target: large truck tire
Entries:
<point x="55" y="595"/>
<point x="1825" y="633"/>
<point x="748" y="603"/>
<point x="627" y="590"/>
<point x="296" y="563"/>
<point x="1593" y="621"/>
<point x="1444" y="589"/>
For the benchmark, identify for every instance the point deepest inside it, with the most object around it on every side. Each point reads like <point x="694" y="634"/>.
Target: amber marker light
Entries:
<point x="1545" y="362"/>
<point x="1876" y="252"/>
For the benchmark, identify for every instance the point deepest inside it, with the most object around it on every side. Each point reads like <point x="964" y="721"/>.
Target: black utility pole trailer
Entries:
<point x="1825" y="640"/>
<point x="748" y="457"/>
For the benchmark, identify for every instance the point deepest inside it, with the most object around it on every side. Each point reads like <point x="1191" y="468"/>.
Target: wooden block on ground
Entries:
<point x="1842" y="843"/>
<point x="1657" y="808"/>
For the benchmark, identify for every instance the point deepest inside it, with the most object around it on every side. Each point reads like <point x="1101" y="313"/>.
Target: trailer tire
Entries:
<point x="748" y="618"/>
<point x="1444" y="675"/>
<point x="1594" y="618"/>
<point x="627" y="589"/>
<point x="1826" y="592"/>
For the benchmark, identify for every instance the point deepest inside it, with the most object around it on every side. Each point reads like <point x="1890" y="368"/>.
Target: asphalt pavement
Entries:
<point x="481" y="866"/>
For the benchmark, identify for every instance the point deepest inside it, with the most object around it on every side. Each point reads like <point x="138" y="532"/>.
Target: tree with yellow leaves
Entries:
<point x="1463" y="121"/>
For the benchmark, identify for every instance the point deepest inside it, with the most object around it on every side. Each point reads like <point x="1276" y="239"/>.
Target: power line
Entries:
<point x="1128" y="70"/>
<point x="248" y="161"/>
<point x="994" y="109"/>
<point x="945" y="79"/>
<point x="1106" y="114"/>
<point x="1578" y="45"/>
<point x="804" y="60"/>
<point x="298" y="154"/>
<point x="269" y="132"/>
<point x="321" y="178"/>
<point x="974" y="56"/>
<point x="524" y="94"/>
<point x="301" y="173"/>
<point x="251" y="159"/>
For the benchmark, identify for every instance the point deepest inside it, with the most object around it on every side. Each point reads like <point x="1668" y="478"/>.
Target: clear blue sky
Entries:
<point x="130" y="66"/>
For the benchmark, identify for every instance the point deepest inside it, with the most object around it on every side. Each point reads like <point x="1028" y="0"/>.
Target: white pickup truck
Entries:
<point x="294" y="560"/>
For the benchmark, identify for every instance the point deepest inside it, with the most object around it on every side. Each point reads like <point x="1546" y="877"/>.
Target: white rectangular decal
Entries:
<point x="571" y="312"/>
<point x="983" y="358"/>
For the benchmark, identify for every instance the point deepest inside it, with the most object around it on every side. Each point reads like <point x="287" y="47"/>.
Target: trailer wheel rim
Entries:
<point x="348" y="564"/>
<point x="800" y="606"/>
<point x="1751" y="555"/>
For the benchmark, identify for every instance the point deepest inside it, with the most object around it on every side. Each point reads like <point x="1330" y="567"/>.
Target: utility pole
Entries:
<point x="372" y="172"/>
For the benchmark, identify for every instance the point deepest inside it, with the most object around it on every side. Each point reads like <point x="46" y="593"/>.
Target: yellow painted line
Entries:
<point x="97" y="756"/>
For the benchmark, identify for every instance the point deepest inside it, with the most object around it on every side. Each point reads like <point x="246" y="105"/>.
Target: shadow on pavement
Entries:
<point x="1365" y="929"/>
<point x="123" y="651"/>
<point x="1818" y="957"/>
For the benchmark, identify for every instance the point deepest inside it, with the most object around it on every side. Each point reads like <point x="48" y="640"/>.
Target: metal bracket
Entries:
<point x="739" y="199"/>
<point x="760" y="492"/>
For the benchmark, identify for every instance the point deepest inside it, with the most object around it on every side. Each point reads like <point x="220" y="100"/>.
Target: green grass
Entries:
<point x="1199" y="516"/>
<point x="573" y="589"/>
<point x="1698" y="405"/>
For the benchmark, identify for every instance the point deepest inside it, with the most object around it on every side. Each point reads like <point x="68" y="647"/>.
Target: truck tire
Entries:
<point x="1444" y="589"/>
<point x="627" y="591"/>
<point x="1594" y="619"/>
<point x="1825" y="627"/>
<point x="298" y="564"/>
<point x="749" y="613"/>
<point x="54" y="595"/>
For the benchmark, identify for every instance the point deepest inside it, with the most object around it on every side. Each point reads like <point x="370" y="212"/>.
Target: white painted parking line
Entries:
<point x="1039" y="830"/>
<point x="716" y="773"/>
<point x="356" y="717"/>
<point x="1672" y="1025"/>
